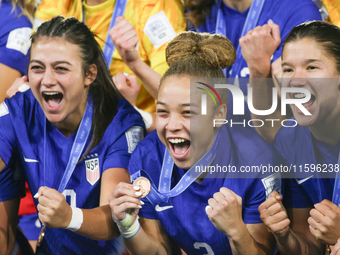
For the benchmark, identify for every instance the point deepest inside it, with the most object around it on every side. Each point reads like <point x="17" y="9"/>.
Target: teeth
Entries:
<point x="176" y="140"/>
<point x="299" y="96"/>
<point x="51" y="93"/>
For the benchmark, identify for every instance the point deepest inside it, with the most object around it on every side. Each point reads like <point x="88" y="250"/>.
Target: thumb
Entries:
<point x="40" y="192"/>
<point x="276" y="195"/>
<point x="133" y="81"/>
<point x="239" y="199"/>
<point x="275" y="30"/>
<point x="120" y="80"/>
<point x="118" y="19"/>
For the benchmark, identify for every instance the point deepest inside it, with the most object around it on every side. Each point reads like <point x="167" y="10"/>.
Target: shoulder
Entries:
<point x="149" y="146"/>
<point x="249" y="146"/>
<point x="149" y="152"/>
<point x="21" y="103"/>
<point x="125" y="119"/>
<point x="284" y="11"/>
<point x="12" y="18"/>
<point x="47" y="9"/>
<point x="287" y="137"/>
<point x="289" y="142"/>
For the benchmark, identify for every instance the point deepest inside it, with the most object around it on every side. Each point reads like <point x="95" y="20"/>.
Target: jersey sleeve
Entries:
<point x="295" y="196"/>
<point x="120" y="151"/>
<point x="15" y="40"/>
<point x="126" y="130"/>
<point x="302" y="12"/>
<point x="255" y="196"/>
<point x="8" y="139"/>
<point x="48" y="9"/>
<point x="12" y="183"/>
<point x="160" y="22"/>
<point x="262" y="186"/>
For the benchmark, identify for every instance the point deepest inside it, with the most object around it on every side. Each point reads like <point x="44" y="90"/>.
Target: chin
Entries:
<point x="184" y="164"/>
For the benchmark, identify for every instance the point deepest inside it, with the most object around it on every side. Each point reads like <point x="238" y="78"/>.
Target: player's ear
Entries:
<point x="221" y="112"/>
<point x="90" y="75"/>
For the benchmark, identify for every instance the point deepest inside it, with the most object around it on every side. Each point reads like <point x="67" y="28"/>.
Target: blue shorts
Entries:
<point x="30" y="225"/>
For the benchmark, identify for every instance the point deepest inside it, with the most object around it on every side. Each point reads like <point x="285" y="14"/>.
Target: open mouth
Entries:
<point x="179" y="146"/>
<point x="52" y="99"/>
<point x="308" y="105"/>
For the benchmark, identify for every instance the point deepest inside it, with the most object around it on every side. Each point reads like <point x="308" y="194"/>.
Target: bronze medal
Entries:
<point x="41" y="236"/>
<point x="144" y="185"/>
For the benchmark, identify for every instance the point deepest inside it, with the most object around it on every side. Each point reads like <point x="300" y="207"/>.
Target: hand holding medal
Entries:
<point x="54" y="211"/>
<point x="125" y="204"/>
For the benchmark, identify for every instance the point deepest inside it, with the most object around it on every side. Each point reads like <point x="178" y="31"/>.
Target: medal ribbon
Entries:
<point x="336" y="191"/>
<point x="250" y="23"/>
<point x="109" y="47"/>
<point x="163" y="193"/>
<point x="77" y="148"/>
<point x="78" y="144"/>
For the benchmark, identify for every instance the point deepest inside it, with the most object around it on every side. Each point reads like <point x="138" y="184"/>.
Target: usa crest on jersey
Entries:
<point x="92" y="170"/>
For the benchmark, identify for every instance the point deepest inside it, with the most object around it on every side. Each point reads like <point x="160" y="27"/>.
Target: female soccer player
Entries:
<point x="186" y="139"/>
<point x="68" y="133"/>
<point x="310" y="60"/>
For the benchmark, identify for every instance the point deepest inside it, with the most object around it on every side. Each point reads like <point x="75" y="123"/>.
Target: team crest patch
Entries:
<point x="92" y="170"/>
<point x="133" y="136"/>
<point x="271" y="183"/>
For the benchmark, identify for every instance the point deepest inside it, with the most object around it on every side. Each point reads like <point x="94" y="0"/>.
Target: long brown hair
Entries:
<point x="104" y="93"/>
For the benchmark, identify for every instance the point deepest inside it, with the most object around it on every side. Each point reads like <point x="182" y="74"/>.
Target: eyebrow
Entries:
<point x="54" y="64"/>
<point x="182" y="105"/>
<point x="308" y="61"/>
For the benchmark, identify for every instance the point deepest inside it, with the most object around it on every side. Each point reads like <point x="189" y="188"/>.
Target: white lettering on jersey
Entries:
<point x="3" y="109"/>
<point x="244" y="72"/>
<point x="133" y="136"/>
<point x="271" y="183"/>
<point x="73" y="196"/>
<point x="159" y="29"/>
<point x="19" y="39"/>
<point x="92" y="170"/>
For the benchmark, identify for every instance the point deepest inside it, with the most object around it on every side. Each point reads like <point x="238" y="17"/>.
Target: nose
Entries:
<point x="174" y="123"/>
<point x="298" y="79"/>
<point x="48" y="79"/>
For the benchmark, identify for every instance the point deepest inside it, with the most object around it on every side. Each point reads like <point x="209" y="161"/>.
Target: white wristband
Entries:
<point x="125" y="228"/>
<point x="147" y="117"/>
<point x="76" y="220"/>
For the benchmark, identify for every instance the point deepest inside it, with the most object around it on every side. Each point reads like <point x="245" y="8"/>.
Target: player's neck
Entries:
<point x="240" y="5"/>
<point x="94" y="2"/>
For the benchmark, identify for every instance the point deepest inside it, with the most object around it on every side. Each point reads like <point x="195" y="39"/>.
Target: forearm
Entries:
<point x="9" y="220"/>
<point x="293" y="243"/>
<point x="98" y="224"/>
<point x="244" y="243"/>
<point x="147" y="75"/>
<point x="262" y="100"/>
<point x="143" y="244"/>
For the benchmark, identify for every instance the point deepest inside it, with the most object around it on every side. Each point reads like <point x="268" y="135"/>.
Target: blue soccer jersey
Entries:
<point x="303" y="152"/>
<point x="22" y="129"/>
<point x="183" y="216"/>
<point x="15" y="30"/>
<point x="12" y="184"/>
<point x="284" y="13"/>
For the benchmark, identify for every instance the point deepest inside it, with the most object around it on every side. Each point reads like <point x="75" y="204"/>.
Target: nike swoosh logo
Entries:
<point x="159" y="209"/>
<point x="303" y="180"/>
<point x="30" y="160"/>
